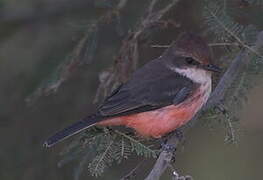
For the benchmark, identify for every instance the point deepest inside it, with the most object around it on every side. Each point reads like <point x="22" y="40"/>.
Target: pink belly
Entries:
<point x="158" y="122"/>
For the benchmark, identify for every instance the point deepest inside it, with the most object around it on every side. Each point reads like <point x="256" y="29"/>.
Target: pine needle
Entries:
<point x="224" y="26"/>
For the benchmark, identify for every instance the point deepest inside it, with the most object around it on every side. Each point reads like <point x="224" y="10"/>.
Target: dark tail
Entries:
<point x="71" y="130"/>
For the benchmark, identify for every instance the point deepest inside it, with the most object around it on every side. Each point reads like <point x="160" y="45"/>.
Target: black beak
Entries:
<point x="211" y="67"/>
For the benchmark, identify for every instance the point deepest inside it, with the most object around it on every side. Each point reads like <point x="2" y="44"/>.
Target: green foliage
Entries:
<point x="226" y="30"/>
<point x="106" y="146"/>
<point x="215" y="118"/>
<point x="236" y="96"/>
<point x="227" y="114"/>
<point x="219" y="23"/>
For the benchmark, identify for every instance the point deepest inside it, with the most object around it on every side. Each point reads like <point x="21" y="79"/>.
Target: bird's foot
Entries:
<point x="167" y="147"/>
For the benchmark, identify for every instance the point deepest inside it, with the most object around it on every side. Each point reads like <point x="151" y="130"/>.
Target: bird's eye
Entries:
<point x="191" y="61"/>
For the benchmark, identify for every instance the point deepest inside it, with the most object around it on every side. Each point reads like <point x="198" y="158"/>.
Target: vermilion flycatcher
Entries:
<point x="159" y="97"/>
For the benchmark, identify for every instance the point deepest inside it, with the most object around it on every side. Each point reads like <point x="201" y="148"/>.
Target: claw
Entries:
<point x="167" y="147"/>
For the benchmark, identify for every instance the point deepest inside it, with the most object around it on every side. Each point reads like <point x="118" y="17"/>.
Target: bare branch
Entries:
<point x="132" y="173"/>
<point x="216" y="97"/>
<point x="160" y="46"/>
<point x="151" y="6"/>
<point x="210" y="44"/>
<point x="128" y="57"/>
<point x="223" y="44"/>
<point x="122" y="4"/>
<point x="163" y="160"/>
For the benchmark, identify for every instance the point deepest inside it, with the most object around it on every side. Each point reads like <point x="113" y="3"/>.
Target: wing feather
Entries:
<point x="151" y="87"/>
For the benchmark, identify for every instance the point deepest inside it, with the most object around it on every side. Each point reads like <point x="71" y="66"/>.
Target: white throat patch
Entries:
<point x="196" y="75"/>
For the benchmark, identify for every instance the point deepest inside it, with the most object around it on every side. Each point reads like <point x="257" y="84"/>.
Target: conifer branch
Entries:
<point x="223" y="44"/>
<point x="137" y="143"/>
<point x="216" y="98"/>
<point x="101" y="157"/>
<point x="210" y="44"/>
<point x="82" y="54"/>
<point x="232" y="34"/>
<point x="239" y="62"/>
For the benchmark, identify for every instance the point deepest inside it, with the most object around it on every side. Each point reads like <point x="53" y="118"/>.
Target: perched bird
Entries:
<point x="161" y="96"/>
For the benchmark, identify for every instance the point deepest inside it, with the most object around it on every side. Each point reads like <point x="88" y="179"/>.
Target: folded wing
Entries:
<point x="152" y="87"/>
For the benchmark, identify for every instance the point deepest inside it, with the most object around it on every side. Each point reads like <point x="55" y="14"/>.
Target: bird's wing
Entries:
<point x="151" y="87"/>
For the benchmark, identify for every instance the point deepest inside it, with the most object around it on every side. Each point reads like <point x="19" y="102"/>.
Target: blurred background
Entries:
<point x="36" y="36"/>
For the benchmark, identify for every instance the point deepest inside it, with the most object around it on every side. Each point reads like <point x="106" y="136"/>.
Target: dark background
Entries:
<point x="36" y="36"/>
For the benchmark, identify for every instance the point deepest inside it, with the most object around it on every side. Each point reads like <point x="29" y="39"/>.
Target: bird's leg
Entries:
<point x="165" y="146"/>
<point x="180" y="136"/>
<point x="171" y="148"/>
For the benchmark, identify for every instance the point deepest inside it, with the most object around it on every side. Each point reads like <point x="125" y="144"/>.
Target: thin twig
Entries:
<point x="216" y="97"/>
<point x="127" y="59"/>
<point x="132" y="173"/>
<point x="122" y="4"/>
<point x="230" y="137"/>
<point x="151" y="6"/>
<point x="223" y="44"/>
<point x="160" y="46"/>
<point x="210" y="44"/>
<point x="168" y="7"/>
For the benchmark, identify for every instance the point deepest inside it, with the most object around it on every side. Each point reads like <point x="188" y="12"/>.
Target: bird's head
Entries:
<point x="192" y="51"/>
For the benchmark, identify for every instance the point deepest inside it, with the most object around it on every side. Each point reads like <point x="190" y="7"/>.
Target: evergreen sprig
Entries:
<point x="107" y="147"/>
<point x="82" y="54"/>
<point x="225" y="29"/>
